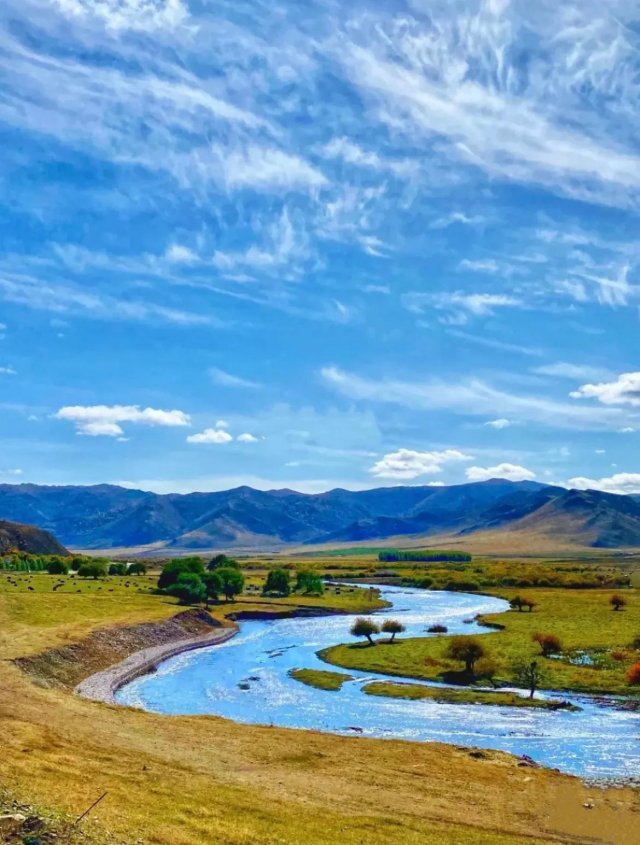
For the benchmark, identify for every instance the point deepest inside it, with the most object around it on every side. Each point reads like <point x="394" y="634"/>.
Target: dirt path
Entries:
<point x="102" y="686"/>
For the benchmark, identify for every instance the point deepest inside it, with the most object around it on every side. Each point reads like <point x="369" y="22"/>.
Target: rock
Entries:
<point x="10" y="824"/>
<point x="588" y="805"/>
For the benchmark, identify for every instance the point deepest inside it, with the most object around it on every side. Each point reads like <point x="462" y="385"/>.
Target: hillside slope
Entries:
<point x="26" y="538"/>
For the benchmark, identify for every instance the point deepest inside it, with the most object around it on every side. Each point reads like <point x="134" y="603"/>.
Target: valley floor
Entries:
<point x="194" y="781"/>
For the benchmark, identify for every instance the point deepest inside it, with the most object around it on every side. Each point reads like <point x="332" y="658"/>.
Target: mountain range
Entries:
<point x="106" y="516"/>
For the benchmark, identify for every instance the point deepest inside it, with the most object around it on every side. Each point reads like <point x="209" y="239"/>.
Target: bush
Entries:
<point x="549" y="643"/>
<point x="219" y="561"/>
<point x="486" y="668"/>
<point x="137" y="569"/>
<point x="93" y="569"/>
<point x="466" y="649"/>
<point x="277" y="583"/>
<point x="364" y="628"/>
<point x="309" y="583"/>
<point x="437" y="629"/>
<point x="633" y="675"/>
<point x="617" y="602"/>
<point x="56" y="566"/>
<point x="393" y="555"/>
<point x="177" y="567"/>
<point x="118" y="569"/>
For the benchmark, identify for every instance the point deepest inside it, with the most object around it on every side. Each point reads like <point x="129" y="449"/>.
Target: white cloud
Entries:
<point x="628" y="429"/>
<point x="12" y="472"/>
<point x="143" y="15"/>
<point x="211" y="435"/>
<point x="105" y="420"/>
<point x="510" y="472"/>
<point x="625" y="390"/>
<point x="226" y="379"/>
<point x="7" y="371"/>
<point x="265" y="168"/>
<point x="408" y="464"/>
<point x="178" y="254"/>
<point x="247" y="438"/>
<point x="480" y="265"/>
<point x="460" y="305"/>
<point x="454" y="217"/>
<point x="499" y="424"/>
<point x="571" y="371"/>
<point x="222" y="424"/>
<point x="471" y="397"/>
<point x="621" y="482"/>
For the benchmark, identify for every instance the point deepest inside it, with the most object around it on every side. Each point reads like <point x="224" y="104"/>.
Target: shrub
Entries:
<point x="633" y="675"/>
<point x="56" y="566"/>
<point x="118" y="569"/>
<point x="549" y="643"/>
<point x="393" y="555"/>
<point x="309" y="582"/>
<point x="437" y="629"/>
<point x="137" y="569"/>
<point x="218" y="561"/>
<point x="466" y="649"/>
<point x="617" y="602"/>
<point x="277" y="583"/>
<point x="93" y="569"/>
<point x="486" y="668"/>
<point x="364" y="628"/>
<point x="177" y="567"/>
<point x="391" y="626"/>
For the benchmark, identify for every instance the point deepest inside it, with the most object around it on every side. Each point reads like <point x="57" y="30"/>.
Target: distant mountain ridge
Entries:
<point x="106" y="516"/>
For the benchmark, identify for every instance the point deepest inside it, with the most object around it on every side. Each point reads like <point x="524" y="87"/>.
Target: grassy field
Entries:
<point x="416" y="692"/>
<point x="319" y="679"/>
<point x="583" y="620"/>
<point x="201" y="780"/>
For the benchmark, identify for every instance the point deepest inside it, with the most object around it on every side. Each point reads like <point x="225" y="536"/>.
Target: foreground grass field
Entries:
<point x="597" y="644"/>
<point x="194" y="781"/>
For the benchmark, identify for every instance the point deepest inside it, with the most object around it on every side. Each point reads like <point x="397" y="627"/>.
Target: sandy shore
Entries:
<point x="103" y="685"/>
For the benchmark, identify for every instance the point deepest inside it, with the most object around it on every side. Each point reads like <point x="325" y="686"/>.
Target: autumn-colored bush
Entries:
<point x="549" y="643"/>
<point x="619" y="655"/>
<point x="633" y="675"/>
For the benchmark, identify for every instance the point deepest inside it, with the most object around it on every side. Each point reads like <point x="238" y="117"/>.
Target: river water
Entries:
<point x="246" y="680"/>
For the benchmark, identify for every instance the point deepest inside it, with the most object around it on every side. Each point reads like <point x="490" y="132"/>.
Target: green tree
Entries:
<point x="177" y="567"/>
<point x="365" y="628"/>
<point x="277" y="583"/>
<point x="232" y="581"/>
<point x="309" y="582"/>
<point x="189" y="588"/>
<point x="57" y="566"/>
<point x="137" y="568"/>
<point x="213" y="586"/>
<point x="218" y="561"/>
<point x="93" y="569"/>
<point x="118" y="569"/>
<point x="391" y="626"/>
<point x="467" y="649"/>
<point x="529" y="674"/>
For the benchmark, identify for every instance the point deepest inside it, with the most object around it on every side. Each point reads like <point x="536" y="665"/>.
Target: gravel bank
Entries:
<point x="103" y="685"/>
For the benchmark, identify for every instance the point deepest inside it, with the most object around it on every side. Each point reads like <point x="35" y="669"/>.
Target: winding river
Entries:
<point x="246" y="679"/>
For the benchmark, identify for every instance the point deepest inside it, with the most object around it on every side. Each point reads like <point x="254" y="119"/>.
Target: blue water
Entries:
<point x="598" y="741"/>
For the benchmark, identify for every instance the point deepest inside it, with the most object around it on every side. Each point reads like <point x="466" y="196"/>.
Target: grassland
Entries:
<point x="582" y="619"/>
<point x="416" y="692"/>
<point x="319" y="679"/>
<point x="201" y="780"/>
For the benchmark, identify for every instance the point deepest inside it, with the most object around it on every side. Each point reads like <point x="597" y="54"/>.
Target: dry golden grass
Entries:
<point x="194" y="781"/>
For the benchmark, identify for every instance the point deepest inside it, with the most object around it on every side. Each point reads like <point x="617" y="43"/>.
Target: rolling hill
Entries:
<point x="106" y="516"/>
<point x="26" y="538"/>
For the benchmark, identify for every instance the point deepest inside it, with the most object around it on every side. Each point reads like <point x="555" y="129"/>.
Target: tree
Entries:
<point x="365" y="628"/>
<point x="118" y="569"/>
<point x="467" y="649"/>
<point x="76" y="562"/>
<point x="391" y="626"/>
<point x="529" y="674"/>
<point x="232" y="581"/>
<point x="178" y="566"/>
<point x="617" y="602"/>
<point x="516" y="604"/>
<point x="486" y="668"/>
<point x="549" y="643"/>
<point x="309" y="582"/>
<point x="213" y="586"/>
<point x="189" y="588"/>
<point x="56" y="566"/>
<point x="277" y="583"/>
<point x="218" y="561"/>
<point x="529" y="604"/>
<point x="93" y="569"/>
<point x="137" y="569"/>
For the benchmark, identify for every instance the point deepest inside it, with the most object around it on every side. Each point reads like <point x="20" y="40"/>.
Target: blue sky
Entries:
<point x="319" y="244"/>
